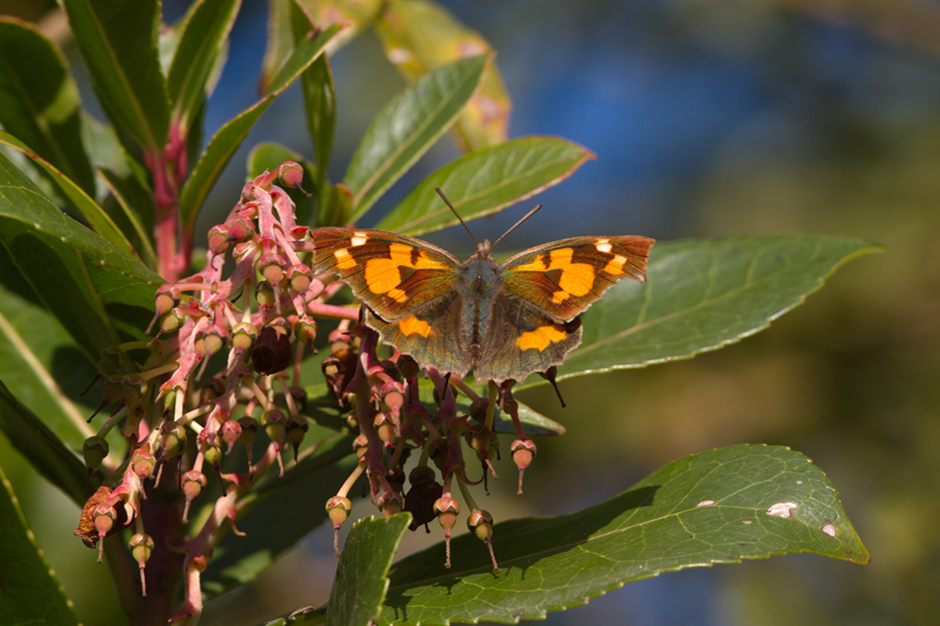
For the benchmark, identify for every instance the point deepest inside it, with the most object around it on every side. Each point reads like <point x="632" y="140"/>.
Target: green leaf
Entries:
<point x="100" y="221"/>
<point x="100" y="295"/>
<point x="720" y="506"/>
<point x="136" y="212"/>
<point x="31" y="593"/>
<point x="225" y="142"/>
<point x="408" y="126"/>
<point x="39" y="101"/>
<point x="486" y="182"/>
<point x="41" y="447"/>
<point x="360" y="583"/>
<point x="118" y="40"/>
<point x="39" y="361"/>
<point x="704" y="295"/>
<point x="202" y="39"/>
<point x="316" y="84"/>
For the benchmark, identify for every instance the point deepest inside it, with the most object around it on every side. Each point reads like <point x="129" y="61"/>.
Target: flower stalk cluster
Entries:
<point x="181" y="416"/>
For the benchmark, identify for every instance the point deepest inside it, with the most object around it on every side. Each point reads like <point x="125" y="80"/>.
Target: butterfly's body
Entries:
<point x="500" y="321"/>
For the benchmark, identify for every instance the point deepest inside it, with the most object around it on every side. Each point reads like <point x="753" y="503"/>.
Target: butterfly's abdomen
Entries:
<point x="481" y="282"/>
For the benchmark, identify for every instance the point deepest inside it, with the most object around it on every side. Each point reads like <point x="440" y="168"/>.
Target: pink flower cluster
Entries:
<point x="178" y="416"/>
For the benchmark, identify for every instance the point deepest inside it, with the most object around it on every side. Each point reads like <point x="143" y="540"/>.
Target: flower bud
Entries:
<point x="172" y="439"/>
<point x="305" y="329"/>
<point x="390" y="503"/>
<point x="143" y="462"/>
<point x="264" y="294"/>
<point x="446" y="509"/>
<point x="194" y="482"/>
<point x="338" y="508"/>
<point x="94" y="451"/>
<point x="480" y="523"/>
<point x="167" y="297"/>
<point x="386" y="428"/>
<point x="299" y="276"/>
<point x="271" y="269"/>
<point x="172" y="321"/>
<point x="273" y="422"/>
<point x="109" y="360"/>
<point x="290" y="174"/>
<point x="219" y="240"/>
<point x="244" y="336"/>
<point x="141" y="546"/>
<point x="360" y="447"/>
<point x="523" y="451"/>
<point x="240" y="229"/>
<point x="230" y="432"/>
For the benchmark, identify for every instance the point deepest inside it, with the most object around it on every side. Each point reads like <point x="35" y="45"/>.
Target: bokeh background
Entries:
<point x="709" y="118"/>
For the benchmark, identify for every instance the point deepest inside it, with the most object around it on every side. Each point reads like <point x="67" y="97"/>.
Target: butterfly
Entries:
<point x="501" y="321"/>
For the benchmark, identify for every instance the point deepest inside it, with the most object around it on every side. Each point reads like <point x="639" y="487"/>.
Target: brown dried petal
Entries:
<point x="86" y="530"/>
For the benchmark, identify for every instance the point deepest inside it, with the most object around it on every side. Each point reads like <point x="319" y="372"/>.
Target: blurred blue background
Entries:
<point x="709" y="118"/>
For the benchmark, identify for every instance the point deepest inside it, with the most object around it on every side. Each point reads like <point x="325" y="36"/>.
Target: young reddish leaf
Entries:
<point x="420" y="36"/>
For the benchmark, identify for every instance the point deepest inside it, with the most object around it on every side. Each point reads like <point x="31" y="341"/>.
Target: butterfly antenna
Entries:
<point x="454" y="211"/>
<point x="513" y="227"/>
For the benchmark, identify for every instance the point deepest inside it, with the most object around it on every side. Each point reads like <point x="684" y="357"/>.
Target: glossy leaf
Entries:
<point x="316" y="85"/>
<point x="39" y="361"/>
<point x="486" y="182"/>
<point x="203" y="36"/>
<point x="100" y="221"/>
<point x="118" y="41"/>
<point x="703" y="295"/>
<point x="225" y="142"/>
<point x="41" y="447"/>
<point x="31" y="593"/>
<point x="361" y="576"/>
<point x="721" y="506"/>
<point x="100" y="295"/>
<point x="419" y="36"/>
<point x="136" y="212"/>
<point x="39" y="101"/>
<point x="407" y="127"/>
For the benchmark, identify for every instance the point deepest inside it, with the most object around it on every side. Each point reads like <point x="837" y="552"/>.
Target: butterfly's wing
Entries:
<point x="521" y="340"/>
<point x="407" y="287"/>
<point x="535" y="316"/>
<point x="429" y="334"/>
<point x="565" y="277"/>
<point x="392" y="274"/>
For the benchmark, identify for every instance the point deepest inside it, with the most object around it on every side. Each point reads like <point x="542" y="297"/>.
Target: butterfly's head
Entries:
<point x="483" y="250"/>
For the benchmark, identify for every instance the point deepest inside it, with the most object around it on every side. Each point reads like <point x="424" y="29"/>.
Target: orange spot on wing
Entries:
<point x="537" y="265"/>
<point x="382" y="275"/>
<point x="411" y="325"/>
<point x="540" y="338"/>
<point x="577" y="278"/>
<point x="424" y="263"/>
<point x="614" y="267"/>
<point x="398" y="295"/>
<point x="560" y="296"/>
<point x="344" y="260"/>
<point x="405" y="256"/>
<point x="561" y="258"/>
